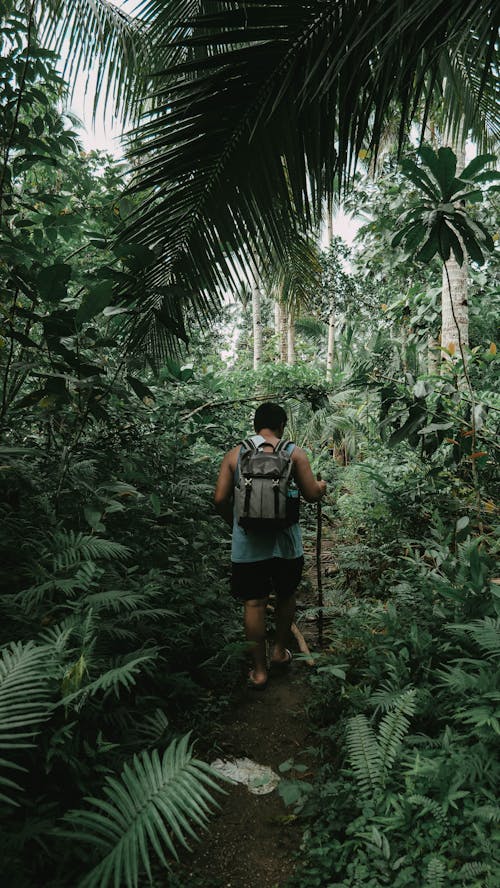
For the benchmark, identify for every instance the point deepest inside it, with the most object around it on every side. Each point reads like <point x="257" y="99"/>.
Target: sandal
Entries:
<point x="283" y="663"/>
<point x="255" y="685"/>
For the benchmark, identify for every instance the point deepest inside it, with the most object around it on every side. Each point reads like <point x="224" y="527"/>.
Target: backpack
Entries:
<point x="263" y="497"/>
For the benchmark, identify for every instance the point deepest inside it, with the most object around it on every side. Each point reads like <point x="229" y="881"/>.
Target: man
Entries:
<point x="263" y="561"/>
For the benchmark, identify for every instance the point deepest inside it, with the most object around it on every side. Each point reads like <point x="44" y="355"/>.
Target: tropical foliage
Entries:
<point x="123" y="380"/>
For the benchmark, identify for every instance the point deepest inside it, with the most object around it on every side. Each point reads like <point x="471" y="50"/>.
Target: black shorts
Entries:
<point x="257" y="579"/>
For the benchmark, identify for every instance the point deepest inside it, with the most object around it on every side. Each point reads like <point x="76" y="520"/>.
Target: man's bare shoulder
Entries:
<point x="231" y="456"/>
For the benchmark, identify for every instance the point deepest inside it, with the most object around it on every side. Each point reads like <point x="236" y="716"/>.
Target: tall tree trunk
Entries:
<point x="291" y="337"/>
<point x="330" y="348"/>
<point x="283" y="334"/>
<point x="330" y="354"/>
<point x="277" y="329"/>
<point x="257" y="319"/>
<point x="454" y="307"/>
<point x="433" y="355"/>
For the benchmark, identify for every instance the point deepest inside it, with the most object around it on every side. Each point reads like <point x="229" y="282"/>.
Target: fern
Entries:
<point x="153" y="802"/>
<point x="393" y="727"/>
<point x="428" y="806"/>
<point x="485" y="633"/>
<point x="364" y="754"/>
<point x="152" y="729"/>
<point x="474" y="870"/>
<point x="435" y="874"/>
<point x="70" y="549"/>
<point x="25" y="701"/>
<point x="123" y="675"/>
<point x="25" y="693"/>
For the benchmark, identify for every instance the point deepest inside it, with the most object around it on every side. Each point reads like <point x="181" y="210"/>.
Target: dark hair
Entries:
<point x="269" y="416"/>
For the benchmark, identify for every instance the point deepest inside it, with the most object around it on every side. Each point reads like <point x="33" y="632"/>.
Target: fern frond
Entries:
<point x="115" y="600"/>
<point x="485" y="633"/>
<point x="385" y="697"/>
<point x="25" y="693"/>
<point x="154" y="802"/>
<point x="25" y="701"/>
<point x="435" y="874"/>
<point x="70" y="548"/>
<point x="393" y="727"/>
<point x="364" y="754"/>
<point x="123" y="675"/>
<point x="487" y="813"/>
<point x="152" y="729"/>
<point x="428" y="806"/>
<point x="474" y="870"/>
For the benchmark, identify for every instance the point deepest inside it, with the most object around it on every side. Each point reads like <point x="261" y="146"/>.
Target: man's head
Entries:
<point x="270" y="416"/>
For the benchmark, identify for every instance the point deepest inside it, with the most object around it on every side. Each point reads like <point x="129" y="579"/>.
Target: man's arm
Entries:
<point x="311" y="490"/>
<point x="224" y="489"/>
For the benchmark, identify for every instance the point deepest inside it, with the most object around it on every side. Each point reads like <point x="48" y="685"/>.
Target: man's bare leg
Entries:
<point x="285" y="612"/>
<point x="255" y="631"/>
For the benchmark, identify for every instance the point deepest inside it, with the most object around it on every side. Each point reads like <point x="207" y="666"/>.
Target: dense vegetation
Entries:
<point x="119" y="643"/>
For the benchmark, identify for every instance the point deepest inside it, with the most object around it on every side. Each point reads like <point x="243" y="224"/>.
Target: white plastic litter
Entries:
<point x="260" y="779"/>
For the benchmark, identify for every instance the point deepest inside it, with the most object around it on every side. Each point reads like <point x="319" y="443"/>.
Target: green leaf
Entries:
<point x="469" y="173"/>
<point x="417" y="415"/>
<point x="93" y="518"/>
<point x="93" y="303"/>
<point x="154" y="802"/>
<point x="141" y="390"/>
<point x="52" y="281"/>
<point x="429" y="248"/>
<point x="136" y="256"/>
<point x="419" y="178"/>
<point x="155" y="503"/>
<point x="442" y="165"/>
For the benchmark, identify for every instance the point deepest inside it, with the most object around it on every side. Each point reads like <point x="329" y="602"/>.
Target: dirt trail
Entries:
<point x="251" y="841"/>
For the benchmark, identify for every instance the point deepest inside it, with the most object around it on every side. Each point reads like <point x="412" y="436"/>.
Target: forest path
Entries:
<point x="252" y="840"/>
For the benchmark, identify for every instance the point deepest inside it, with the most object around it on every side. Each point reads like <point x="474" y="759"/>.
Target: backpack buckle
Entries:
<point x="248" y="482"/>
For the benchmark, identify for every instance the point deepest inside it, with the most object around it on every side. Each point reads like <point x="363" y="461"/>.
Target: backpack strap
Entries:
<point x="249" y="444"/>
<point x="282" y="445"/>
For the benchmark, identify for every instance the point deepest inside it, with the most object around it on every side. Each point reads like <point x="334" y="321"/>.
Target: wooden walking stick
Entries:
<point x="318" y="567"/>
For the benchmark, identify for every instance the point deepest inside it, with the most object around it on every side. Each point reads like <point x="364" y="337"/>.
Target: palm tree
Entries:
<point x="255" y="107"/>
<point x="454" y="302"/>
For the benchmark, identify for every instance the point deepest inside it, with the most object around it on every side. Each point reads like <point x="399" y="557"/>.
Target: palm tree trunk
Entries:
<point x="291" y="337"/>
<point x="454" y="307"/>
<point x="277" y="329"/>
<point x="330" y="354"/>
<point x="330" y="348"/>
<point x="433" y="355"/>
<point x="257" y="320"/>
<point x="283" y="334"/>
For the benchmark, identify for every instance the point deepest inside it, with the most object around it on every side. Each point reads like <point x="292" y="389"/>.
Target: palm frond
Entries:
<point x="295" y="278"/>
<point x="96" y="37"/>
<point x="245" y="136"/>
<point x="154" y="802"/>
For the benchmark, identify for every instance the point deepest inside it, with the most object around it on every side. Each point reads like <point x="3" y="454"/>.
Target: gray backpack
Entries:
<point x="263" y="496"/>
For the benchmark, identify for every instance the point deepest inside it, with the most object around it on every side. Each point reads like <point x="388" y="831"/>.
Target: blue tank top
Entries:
<point x="250" y="546"/>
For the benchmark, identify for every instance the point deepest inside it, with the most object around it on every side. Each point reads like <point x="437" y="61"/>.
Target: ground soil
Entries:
<point x="252" y="841"/>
